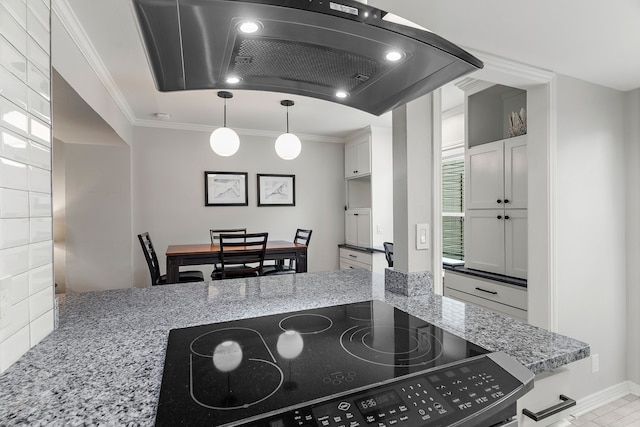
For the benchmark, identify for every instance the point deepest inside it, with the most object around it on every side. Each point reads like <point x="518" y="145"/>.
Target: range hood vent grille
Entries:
<point x="304" y="47"/>
<point x="301" y="62"/>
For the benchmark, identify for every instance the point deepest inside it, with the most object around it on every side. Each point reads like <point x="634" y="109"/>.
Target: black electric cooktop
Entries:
<point x="224" y="373"/>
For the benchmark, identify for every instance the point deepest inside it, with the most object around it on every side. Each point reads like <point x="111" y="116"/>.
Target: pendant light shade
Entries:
<point x="224" y="141"/>
<point x="288" y="145"/>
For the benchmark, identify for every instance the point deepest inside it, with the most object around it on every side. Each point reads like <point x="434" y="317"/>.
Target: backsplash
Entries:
<point x="26" y="239"/>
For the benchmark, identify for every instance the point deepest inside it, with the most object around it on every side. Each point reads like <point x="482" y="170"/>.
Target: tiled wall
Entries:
<point x="26" y="245"/>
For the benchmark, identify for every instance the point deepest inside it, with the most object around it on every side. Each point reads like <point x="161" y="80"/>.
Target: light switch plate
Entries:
<point x="422" y="236"/>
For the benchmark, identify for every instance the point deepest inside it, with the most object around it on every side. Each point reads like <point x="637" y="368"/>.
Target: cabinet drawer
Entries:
<point x="546" y="391"/>
<point x="498" y="292"/>
<point x="486" y="304"/>
<point x="346" y="264"/>
<point x="351" y="255"/>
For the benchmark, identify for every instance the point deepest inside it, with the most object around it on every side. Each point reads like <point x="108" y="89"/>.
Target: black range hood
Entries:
<point x="312" y="48"/>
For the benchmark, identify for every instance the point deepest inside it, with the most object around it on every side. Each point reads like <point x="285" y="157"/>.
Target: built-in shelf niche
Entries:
<point x="488" y="113"/>
<point x="359" y="192"/>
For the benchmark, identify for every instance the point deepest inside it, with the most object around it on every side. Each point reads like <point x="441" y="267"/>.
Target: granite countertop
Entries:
<point x="103" y="365"/>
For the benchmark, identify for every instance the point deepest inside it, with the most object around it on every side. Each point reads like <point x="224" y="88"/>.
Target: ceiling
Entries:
<point x="588" y="39"/>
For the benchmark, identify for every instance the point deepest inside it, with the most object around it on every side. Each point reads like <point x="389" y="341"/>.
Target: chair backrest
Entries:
<point x="241" y="250"/>
<point x="150" y="256"/>
<point x="388" y="252"/>
<point x="302" y="236"/>
<point x="215" y="233"/>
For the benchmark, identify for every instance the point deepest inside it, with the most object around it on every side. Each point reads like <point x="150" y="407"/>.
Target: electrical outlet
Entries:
<point x="595" y="363"/>
<point x="379" y="229"/>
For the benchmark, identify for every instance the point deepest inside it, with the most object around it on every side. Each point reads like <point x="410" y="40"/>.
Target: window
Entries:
<point x="453" y="208"/>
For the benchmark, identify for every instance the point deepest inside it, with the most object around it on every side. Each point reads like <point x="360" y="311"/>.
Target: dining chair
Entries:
<point x="302" y="237"/>
<point x="154" y="268"/>
<point x="215" y="240"/>
<point x="242" y="255"/>
<point x="388" y="252"/>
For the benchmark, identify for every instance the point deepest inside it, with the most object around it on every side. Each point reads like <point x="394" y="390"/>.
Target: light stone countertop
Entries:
<point x="103" y="365"/>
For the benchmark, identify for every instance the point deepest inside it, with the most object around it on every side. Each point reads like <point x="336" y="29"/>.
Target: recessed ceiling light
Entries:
<point x="394" y="55"/>
<point x="341" y="94"/>
<point x="233" y="80"/>
<point x="249" y="27"/>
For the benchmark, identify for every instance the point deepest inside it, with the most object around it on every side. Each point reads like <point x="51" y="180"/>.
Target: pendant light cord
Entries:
<point x="224" y="120"/>
<point x="287" y="119"/>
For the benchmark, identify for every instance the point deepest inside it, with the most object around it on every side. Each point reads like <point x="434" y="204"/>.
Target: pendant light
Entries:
<point x="224" y="141"/>
<point x="288" y="145"/>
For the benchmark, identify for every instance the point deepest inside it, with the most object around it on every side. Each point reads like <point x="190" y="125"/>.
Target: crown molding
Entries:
<point x="245" y="132"/>
<point x="72" y="25"/>
<point x="528" y="72"/>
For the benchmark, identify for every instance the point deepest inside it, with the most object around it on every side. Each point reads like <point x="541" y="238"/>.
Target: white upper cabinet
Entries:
<point x="357" y="157"/>
<point x="496" y="175"/>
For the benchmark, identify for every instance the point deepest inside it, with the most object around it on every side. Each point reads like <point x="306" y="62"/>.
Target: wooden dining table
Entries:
<point x="207" y="253"/>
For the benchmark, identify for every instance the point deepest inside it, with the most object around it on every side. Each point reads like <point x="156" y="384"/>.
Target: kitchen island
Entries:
<point x="104" y="363"/>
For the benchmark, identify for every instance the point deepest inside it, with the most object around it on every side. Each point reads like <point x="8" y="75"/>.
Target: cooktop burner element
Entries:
<point x="224" y="373"/>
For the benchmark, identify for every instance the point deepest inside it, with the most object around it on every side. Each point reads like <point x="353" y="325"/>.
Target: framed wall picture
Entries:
<point x="225" y="189"/>
<point x="276" y="190"/>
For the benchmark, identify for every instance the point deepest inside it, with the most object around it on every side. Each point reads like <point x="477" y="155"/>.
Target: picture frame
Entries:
<point x="276" y="190"/>
<point x="225" y="189"/>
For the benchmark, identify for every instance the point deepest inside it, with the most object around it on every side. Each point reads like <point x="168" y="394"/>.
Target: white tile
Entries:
<point x="13" y="175"/>
<point x="19" y="288"/>
<point x="14" y="261"/>
<point x="40" y="303"/>
<point x="14" y="203"/>
<point x="39" y="205"/>
<point x="37" y="31"/>
<point x="41" y="327"/>
<point x="40" y="278"/>
<point x="17" y="9"/>
<point x="14" y="146"/>
<point x="36" y="55"/>
<point x="40" y="254"/>
<point x="14" y="232"/>
<point x="18" y="318"/>
<point x="40" y="11"/>
<point x="40" y="229"/>
<point x="38" y="106"/>
<point x="13" y="348"/>
<point x="12" y="117"/>
<point x="12" y="59"/>
<point x="40" y="131"/>
<point x="38" y="82"/>
<point x="5" y="304"/>
<point x="39" y="155"/>
<point x="39" y="180"/>
<point x="12" y="30"/>
<point x="13" y="88"/>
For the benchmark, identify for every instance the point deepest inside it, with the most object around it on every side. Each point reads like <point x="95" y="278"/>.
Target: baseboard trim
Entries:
<point x="601" y="398"/>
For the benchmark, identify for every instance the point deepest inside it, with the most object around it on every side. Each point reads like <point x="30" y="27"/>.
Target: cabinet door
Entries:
<point x="364" y="228"/>
<point x="364" y="157"/>
<point x="484" y="176"/>
<point x="484" y="240"/>
<point x="350" y="160"/>
<point x="351" y="228"/>
<point x="515" y="235"/>
<point x="515" y="173"/>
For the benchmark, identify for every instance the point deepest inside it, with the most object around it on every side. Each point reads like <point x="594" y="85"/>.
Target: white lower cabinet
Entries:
<point x="545" y="397"/>
<point x="498" y="297"/>
<point x="351" y="259"/>
<point x="357" y="226"/>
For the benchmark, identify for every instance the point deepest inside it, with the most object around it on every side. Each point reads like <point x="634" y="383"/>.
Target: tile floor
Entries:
<point x="624" y="412"/>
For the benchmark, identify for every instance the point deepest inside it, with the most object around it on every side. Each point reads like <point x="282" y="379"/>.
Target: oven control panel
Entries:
<point x="478" y="389"/>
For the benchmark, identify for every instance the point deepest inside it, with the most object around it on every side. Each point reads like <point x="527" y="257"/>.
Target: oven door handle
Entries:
<point x="567" y="402"/>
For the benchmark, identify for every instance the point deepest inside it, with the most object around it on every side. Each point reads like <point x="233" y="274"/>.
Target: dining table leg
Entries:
<point x="173" y="270"/>
<point x="301" y="262"/>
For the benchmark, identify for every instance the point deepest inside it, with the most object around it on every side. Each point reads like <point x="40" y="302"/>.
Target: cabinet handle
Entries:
<point x="353" y="256"/>
<point x="355" y="214"/>
<point x="506" y="217"/>
<point x="355" y="171"/>
<point x="499" y="217"/>
<point x="506" y="200"/>
<point x="567" y="402"/>
<point x="489" y="292"/>
<point x="499" y="201"/>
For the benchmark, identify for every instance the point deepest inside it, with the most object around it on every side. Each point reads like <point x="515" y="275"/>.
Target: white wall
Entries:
<point x="590" y="228"/>
<point x="632" y="166"/>
<point x="59" y="192"/>
<point x="168" y="192"/>
<point x="98" y="217"/>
